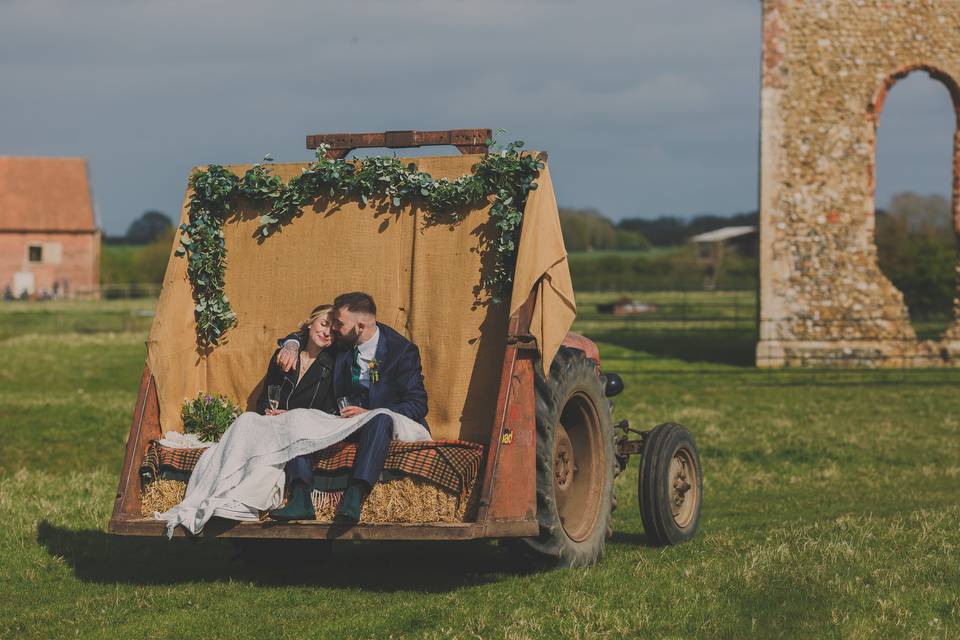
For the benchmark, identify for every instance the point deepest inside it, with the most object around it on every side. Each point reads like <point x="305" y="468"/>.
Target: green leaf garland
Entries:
<point x="507" y="175"/>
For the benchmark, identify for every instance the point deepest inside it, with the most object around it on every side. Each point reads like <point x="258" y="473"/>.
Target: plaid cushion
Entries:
<point x="451" y="464"/>
<point x="163" y="460"/>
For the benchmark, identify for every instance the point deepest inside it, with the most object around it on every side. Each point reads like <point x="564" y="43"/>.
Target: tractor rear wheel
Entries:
<point x="670" y="486"/>
<point x="575" y="462"/>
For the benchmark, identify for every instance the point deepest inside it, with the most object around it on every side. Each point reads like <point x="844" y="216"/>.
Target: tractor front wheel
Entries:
<point x="670" y="487"/>
<point x="575" y="462"/>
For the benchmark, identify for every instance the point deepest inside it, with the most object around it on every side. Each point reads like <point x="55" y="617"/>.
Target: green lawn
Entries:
<point x="831" y="509"/>
<point x="650" y="252"/>
<point x="82" y="317"/>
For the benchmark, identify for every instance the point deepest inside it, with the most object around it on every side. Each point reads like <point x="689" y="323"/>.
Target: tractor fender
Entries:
<point x="582" y="343"/>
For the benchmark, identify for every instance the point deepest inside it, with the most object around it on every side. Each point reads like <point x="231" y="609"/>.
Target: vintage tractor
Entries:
<point x="510" y="377"/>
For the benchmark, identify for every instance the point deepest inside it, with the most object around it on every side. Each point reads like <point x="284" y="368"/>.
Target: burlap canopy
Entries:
<point x="423" y="276"/>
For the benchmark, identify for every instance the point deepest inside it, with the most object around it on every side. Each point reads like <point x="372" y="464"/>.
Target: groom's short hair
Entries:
<point x="357" y="302"/>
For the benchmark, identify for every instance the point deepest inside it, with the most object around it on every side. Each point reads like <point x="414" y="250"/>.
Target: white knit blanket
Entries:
<point x="242" y="474"/>
<point x="177" y="440"/>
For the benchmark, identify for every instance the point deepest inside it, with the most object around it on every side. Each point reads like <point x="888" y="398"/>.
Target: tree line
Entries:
<point x="590" y="230"/>
<point x="916" y="249"/>
<point x="140" y="255"/>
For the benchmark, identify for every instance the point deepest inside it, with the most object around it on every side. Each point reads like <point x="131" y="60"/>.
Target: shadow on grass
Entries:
<point x="780" y="604"/>
<point x="632" y="538"/>
<point x="436" y="567"/>
<point x="736" y="347"/>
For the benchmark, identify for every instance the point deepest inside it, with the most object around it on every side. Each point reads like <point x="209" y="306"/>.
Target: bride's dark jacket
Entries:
<point x="315" y="390"/>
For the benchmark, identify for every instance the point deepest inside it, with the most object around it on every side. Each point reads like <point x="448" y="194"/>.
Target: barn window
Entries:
<point x="35" y="253"/>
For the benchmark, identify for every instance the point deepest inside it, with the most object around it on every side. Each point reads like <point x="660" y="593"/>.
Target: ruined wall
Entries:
<point x="827" y="66"/>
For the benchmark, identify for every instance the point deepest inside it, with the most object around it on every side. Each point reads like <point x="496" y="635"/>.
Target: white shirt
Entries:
<point x="367" y="353"/>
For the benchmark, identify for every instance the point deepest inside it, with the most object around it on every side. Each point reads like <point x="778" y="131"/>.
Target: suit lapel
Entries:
<point x="341" y="373"/>
<point x="382" y="354"/>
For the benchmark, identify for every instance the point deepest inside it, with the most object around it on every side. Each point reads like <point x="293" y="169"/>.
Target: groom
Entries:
<point x="375" y="368"/>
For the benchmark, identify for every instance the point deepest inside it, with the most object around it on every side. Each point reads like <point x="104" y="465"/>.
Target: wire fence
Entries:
<point x="647" y="334"/>
<point x="122" y="291"/>
<point x="684" y="333"/>
<point x="83" y="315"/>
<point x="119" y="291"/>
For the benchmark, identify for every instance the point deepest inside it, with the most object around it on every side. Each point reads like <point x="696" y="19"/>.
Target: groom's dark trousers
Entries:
<point x="373" y="442"/>
<point x="399" y="388"/>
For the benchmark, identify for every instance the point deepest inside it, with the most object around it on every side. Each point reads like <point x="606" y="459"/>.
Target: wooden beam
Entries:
<point x="340" y="144"/>
<point x="306" y="529"/>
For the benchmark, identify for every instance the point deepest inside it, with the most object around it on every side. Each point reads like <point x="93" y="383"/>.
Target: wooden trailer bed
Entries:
<point x="506" y="508"/>
<point x="479" y="354"/>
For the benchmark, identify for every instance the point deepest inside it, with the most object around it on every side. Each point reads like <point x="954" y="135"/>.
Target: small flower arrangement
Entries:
<point x="208" y="416"/>
<point x="374" y="367"/>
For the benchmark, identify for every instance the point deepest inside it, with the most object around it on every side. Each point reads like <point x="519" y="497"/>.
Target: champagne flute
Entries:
<point x="273" y="396"/>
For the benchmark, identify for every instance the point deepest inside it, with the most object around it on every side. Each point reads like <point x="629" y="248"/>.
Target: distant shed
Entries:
<point x="724" y="234"/>
<point x="49" y="241"/>
<point x="713" y="245"/>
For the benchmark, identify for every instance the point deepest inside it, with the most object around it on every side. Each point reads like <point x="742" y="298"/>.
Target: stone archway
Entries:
<point x="875" y="110"/>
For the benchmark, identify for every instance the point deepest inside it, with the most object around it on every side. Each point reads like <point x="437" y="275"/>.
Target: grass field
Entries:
<point x="831" y="510"/>
<point x="86" y="317"/>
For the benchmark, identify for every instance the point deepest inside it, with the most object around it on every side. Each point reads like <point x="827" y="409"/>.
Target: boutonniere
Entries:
<point x="374" y="367"/>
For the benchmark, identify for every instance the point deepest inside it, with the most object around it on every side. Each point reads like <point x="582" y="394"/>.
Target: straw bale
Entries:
<point x="162" y="495"/>
<point x="407" y="500"/>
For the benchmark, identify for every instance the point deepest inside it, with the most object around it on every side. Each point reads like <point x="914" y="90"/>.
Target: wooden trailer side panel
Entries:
<point x="509" y="483"/>
<point x="510" y="478"/>
<point x="144" y="427"/>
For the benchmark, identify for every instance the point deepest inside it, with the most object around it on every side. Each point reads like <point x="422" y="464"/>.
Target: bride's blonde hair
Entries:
<point x="318" y="312"/>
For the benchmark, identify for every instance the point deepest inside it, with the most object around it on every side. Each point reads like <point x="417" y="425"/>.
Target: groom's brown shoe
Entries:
<point x="298" y="507"/>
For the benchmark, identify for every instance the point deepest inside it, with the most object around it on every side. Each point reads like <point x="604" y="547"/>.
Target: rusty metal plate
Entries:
<point x="466" y="140"/>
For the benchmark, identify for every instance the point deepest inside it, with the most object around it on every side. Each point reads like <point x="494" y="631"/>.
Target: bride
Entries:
<point x="243" y="474"/>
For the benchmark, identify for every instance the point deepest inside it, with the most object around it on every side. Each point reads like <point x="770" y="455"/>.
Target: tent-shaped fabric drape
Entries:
<point x="424" y="277"/>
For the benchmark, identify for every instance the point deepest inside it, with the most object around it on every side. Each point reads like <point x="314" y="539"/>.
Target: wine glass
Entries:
<point x="273" y="396"/>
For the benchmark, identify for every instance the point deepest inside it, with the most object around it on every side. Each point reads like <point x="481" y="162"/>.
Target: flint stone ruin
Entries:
<point x="827" y="67"/>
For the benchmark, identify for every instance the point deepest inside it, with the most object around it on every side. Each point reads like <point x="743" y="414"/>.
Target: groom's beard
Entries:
<point x="349" y="339"/>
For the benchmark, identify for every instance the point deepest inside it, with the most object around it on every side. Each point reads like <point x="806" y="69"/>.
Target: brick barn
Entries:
<point x="49" y="241"/>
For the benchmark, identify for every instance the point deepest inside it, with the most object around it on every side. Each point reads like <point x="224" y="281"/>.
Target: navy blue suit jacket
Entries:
<point x="400" y="387"/>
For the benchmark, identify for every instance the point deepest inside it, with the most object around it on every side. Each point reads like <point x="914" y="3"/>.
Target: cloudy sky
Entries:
<point x="646" y="107"/>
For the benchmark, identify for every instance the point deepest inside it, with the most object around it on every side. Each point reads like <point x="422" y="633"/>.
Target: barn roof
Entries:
<point x="45" y="194"/>
<point x="725" y="233"/>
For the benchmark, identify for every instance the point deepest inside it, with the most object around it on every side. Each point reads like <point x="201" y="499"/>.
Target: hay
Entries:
<point x="406" y="500"/>
<point x="161" y="495"/>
